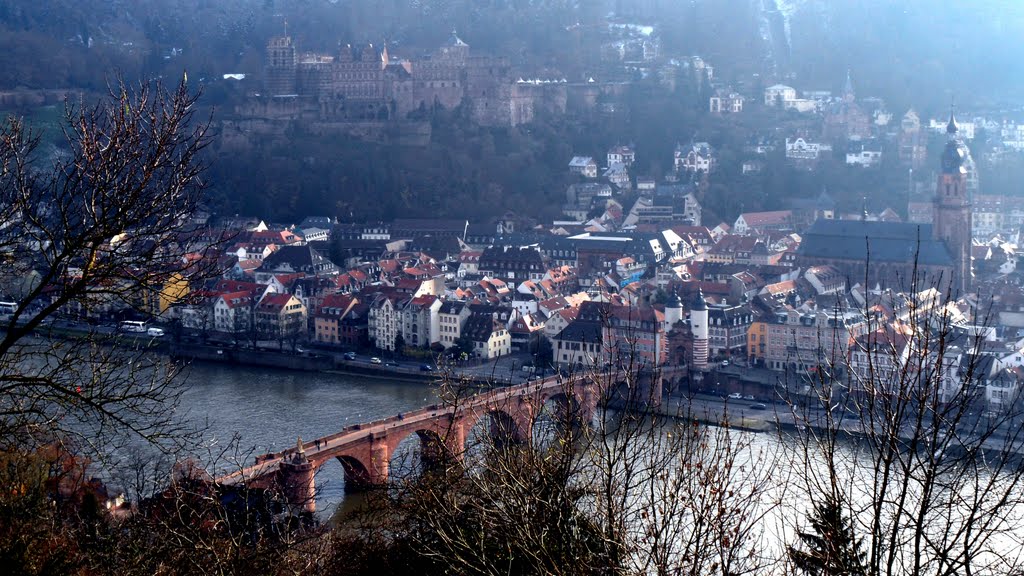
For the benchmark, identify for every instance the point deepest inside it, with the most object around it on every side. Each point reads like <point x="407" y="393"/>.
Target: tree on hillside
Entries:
<point x="102" y="228"/>
<point x="901" y="440"/>
<point x="831" y="548"/>
<point x="99" y="230"/>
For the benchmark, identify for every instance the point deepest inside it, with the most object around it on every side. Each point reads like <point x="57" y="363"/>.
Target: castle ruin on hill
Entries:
<point x="367" y="83"/>
<point x="368" y="93"/>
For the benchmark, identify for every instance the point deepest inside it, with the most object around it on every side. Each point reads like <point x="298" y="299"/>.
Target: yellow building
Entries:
<point x="173" y="289"/>
<point x="757" y="340"/>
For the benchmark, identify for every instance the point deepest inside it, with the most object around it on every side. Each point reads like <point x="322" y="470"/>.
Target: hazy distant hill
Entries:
<point x="911" y="51"/>
<point x="907" y="50"/>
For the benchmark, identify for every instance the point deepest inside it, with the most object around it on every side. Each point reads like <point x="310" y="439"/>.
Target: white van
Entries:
<point x="132" y="326"/>
<point x="155" y="332"/>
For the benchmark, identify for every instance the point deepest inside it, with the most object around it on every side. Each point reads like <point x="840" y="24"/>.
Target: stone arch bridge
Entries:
<point x="365" y="450"/>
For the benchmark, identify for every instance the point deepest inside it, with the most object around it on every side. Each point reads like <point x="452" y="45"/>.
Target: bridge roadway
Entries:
<point x="364" y="450"/>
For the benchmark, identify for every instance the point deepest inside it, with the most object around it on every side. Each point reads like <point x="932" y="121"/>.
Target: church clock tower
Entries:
<point x="951" y="222"/>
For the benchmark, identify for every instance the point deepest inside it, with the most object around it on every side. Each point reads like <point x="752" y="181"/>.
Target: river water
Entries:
<point x="268" y="409"/>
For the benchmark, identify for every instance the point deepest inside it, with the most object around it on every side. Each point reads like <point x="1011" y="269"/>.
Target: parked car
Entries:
<point x="375" y="360"/>
<point x="725" y="363"/>
<point x="391" y="364"/>
<point x="749" y="397"/>
<point x="758" y="406"/>
<point x="735" y="396"/>
<point x="350" y="355"/>
<point x="155" y="332"/>
<point x="426" y="368"/>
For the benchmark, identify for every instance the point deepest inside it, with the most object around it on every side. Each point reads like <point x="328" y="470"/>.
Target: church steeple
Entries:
<point x="951" y="220"/>
<point x="953" y="154"/>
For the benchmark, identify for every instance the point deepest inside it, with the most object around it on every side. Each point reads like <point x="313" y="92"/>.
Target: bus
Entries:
<point x="132" y="326"/>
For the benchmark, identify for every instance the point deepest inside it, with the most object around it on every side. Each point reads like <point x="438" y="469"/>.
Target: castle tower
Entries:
<point x="699" y="327"/>
<point x="455" y="50"/>
<point x="952" y="209"/>
<point x="279" y="77"/>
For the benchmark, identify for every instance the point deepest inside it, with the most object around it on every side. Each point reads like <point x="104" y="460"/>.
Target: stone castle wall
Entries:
<point x="361" y="84"/>
<point x="361" y="87"/>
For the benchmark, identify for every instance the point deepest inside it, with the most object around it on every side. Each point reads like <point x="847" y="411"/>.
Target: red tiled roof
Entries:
<point x="774" y="218"/>
<point x="337" y="302"/>
<point x="274" y="301"/>
<point x="784" y="287"/>
<point x="235" y="299"/>
<point x="287" y="279"/>
<point x="409" y="284"/>
<point x="423" y="301"/>
<point x="225" y="285"/>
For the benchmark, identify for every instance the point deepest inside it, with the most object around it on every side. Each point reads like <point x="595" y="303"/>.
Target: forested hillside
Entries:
<point x="909" y="53"/>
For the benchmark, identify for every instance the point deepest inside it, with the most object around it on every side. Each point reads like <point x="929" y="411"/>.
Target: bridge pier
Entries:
<point x="513" y="423"/>
<point x="380" y="459"/>
<point x="650" y="388"/>
<point x="589" y="398"/>
<point x="455" y="439"/>
<point x="296" y="478"/>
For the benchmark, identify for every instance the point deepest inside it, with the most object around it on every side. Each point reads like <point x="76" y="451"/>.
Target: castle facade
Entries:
<point x="367" y="84"/>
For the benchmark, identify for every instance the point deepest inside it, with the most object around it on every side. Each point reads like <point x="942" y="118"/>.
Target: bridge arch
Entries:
<point x="357" y="473"/>
<point x="495" y="424"/>
<point x="416" y="451"/>
<point x="558" y="415"/>
<point x="364" y="451"/>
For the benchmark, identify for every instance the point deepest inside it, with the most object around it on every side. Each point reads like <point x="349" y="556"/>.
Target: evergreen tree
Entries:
<point x="831" y="549"/>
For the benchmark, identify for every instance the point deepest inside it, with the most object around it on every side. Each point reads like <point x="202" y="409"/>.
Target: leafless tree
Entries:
<point x="102" y="226"/>
<point x="900" y="433"/>
<point x="625" y="490"/>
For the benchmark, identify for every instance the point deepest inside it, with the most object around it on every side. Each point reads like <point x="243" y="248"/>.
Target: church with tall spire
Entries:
<point x="898" y="254"/>
<point x="844" y="119"/>
<point x="951" y="220"/>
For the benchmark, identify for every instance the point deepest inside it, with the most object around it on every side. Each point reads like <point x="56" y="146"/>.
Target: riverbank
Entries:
<point x="715" y="411"/>
<point x="321" y="361"/>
